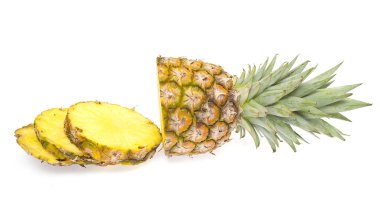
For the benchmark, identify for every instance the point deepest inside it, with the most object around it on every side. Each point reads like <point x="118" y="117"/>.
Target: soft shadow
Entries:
<point x="193" y="158"/>
<point x="38" y="166"/>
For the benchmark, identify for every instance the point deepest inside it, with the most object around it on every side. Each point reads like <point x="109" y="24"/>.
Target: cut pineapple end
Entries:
<point x="113" y="126"/>
<point x="162" y="119"/>
<point x="50" y="127"/>
<point x="27" y="139"/>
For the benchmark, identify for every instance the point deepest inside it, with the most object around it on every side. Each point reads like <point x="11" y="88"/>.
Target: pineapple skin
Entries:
<point x="199" y="106"/>
<point x="105" y="155"/>
<point x="27" y="139"/>
<point x="59" y="151"/>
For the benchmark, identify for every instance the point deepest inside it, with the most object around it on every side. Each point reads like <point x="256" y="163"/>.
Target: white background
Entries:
<point x="56" y="53"/>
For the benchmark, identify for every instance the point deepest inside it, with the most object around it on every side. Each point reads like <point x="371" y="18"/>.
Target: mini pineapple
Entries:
<point x="201" y="104"/>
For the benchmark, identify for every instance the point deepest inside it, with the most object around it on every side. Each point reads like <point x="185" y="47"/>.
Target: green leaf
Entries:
<point x="251" y="74"/>
<point x="260" y="72"/>
<point x="254" y="109"/>
<point x="263" y="122"/>
<point x="302" y="75"/>
<point x="271" y="138"/>
<point x="326" y="128"/>
<point x="297" y="103"/>
<point x="241" y="79"/>
<point x="316" y="83"/>
<point x="344" y="105"/>
<point x="334" y="90"/>
<point x="326" y="74"/>
<point x="279" y="110"/>
<point x="251" y="130"/>
<point x="267" y="81"/>
<point x="286" y="85"/>
<point x="269" y="69"/>
<point x="270" y="97"/>
<point x="244" y="92"/>
<point x="286" y="132"/>
<point x="327" y="84"/>
<point x="312" y="112"/>
<point x="254" y="89"/>
<point x="297" y="69"/>
<point x="323" y="98"/>
<point x="302" y="123"/>
<point x="339" y="116"/>
<point x="309" y="87"/>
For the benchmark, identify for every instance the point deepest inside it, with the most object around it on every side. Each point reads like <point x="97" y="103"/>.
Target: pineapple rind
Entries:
<point x="207" y="101"/>
<point x="106" y="143"/>
<point x="27" y="139"/>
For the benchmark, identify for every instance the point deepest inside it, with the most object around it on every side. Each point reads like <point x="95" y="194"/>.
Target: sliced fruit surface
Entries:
<point x="111" y="133"/>
<point x="27" y="139"/>
<point x="49" y="126"/>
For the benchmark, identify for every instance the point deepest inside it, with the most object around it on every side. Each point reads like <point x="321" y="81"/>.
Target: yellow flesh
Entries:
<point x="50" y="125"/>
<point x="113" y="126"/>
<point x="27" y="139"/>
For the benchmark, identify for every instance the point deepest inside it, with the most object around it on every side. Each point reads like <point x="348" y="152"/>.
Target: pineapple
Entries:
<point x="27" y="139"/>
<point x="201" y="104"/>
<point x="111" y="134"/>
<point x="49" y="127"/>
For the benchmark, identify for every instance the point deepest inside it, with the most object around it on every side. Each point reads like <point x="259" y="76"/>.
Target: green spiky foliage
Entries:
<point x="272" y="101"/>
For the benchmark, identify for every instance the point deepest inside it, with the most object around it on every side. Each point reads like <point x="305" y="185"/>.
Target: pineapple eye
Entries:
<point x="193" y="64"/>
<point x="179" y="121"/>
<point x="193" y="98"/>
<point x="224" y="80"/>
<point x="229" y="112"/>
<point x="181" y="75"/>
<point x="170" y="94"/>
<point x="170" y="140"/>
<point x="208" y="114"/>
<point x="205" y="146"/>
<point x="220" y="95"/>
<point x="212" y="69"/>
<point x="218" y="130"/>
<point x="203" y="79"/>
<point x="183" y="147"/>
<point x="163" y="73"/>
<point x="197" y="133"/>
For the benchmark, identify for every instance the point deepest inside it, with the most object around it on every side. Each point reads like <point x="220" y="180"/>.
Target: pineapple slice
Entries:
<point x="49" y="126"/>
<point x="111" y="133"/>
<point x="27" y="139"/>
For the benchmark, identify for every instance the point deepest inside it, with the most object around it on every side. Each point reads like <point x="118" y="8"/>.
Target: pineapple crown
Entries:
<point x="272" y="101"/>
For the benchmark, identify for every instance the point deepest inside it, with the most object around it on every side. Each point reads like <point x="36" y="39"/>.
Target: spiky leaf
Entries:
<point x="274" y="100"/>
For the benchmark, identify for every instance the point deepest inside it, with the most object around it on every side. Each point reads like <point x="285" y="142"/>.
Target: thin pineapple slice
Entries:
<point x="27" y="139"/>
<point x="49" y="126"/>
<point x="111" y="133"/>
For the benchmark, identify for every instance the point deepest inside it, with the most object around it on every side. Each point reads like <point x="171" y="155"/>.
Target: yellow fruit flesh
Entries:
<point x="113" y="126"/>
<point x="50" y="127"/>
<point x="27" y="139"/>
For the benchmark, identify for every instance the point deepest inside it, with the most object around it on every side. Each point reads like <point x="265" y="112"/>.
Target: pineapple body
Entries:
<point x="201" y="104"/>
<point x="199" y="107"/>
<point x="111" y="134"/>
<point x="27" y="139"/>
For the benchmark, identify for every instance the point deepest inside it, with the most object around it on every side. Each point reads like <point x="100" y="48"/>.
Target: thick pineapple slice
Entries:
<point x="49" y="126"/>
<point x="111" y="133"/>
<point x="27" y="139"/>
